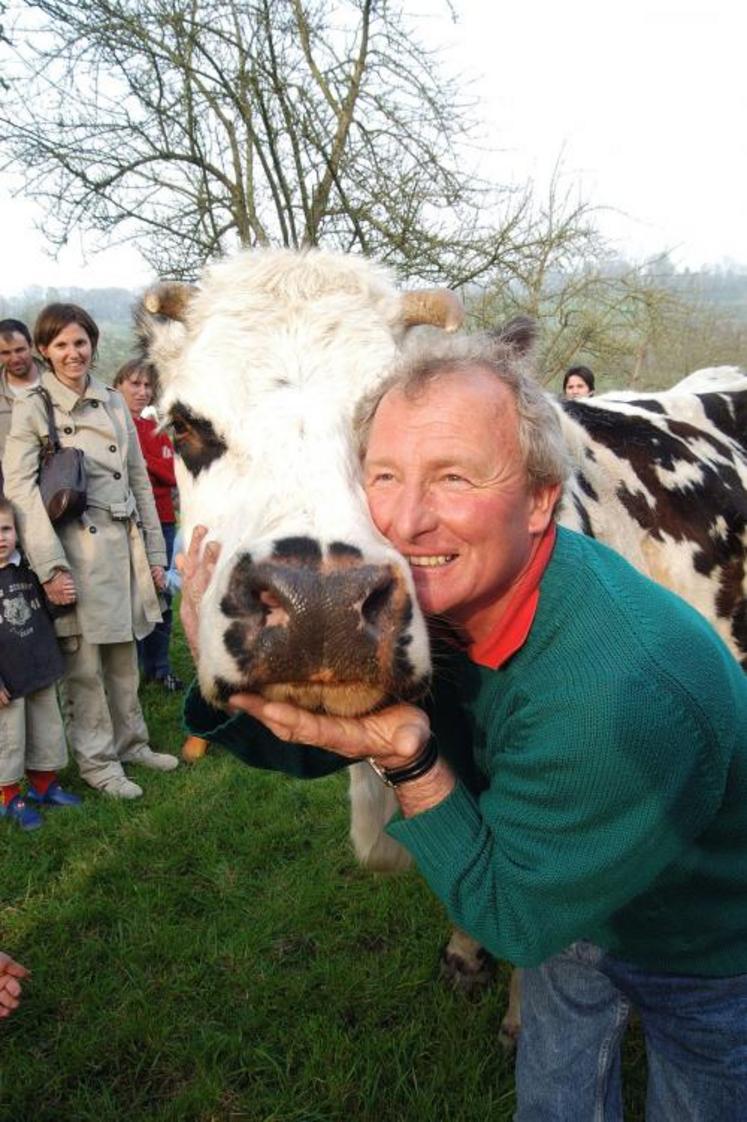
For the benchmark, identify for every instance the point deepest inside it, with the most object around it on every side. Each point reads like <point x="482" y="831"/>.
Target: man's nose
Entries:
<point x="413" y="514"/>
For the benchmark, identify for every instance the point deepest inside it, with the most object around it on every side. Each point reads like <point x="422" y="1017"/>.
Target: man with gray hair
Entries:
<point x="575" y="788"/>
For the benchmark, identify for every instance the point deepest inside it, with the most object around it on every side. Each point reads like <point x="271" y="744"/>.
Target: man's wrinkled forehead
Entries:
<point x="447" y="386"/>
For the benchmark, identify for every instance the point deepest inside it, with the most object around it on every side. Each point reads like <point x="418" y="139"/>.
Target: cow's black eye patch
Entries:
<point x="195" y="440"/>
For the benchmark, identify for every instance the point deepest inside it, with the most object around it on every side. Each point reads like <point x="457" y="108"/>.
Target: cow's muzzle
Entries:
<point x="329" y="634"/>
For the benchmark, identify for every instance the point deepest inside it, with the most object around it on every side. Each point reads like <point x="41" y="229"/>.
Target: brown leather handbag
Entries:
<point x="62" y="473"/>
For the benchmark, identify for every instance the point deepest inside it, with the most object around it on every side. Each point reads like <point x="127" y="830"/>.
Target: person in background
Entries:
<point x="18" y="373"/>
<point x="105" y="567"/>
<point x="135" y="382"/>
<point x="578" y="382"/>
<point x="10" y="986"/>
<point x="32" y="739"/>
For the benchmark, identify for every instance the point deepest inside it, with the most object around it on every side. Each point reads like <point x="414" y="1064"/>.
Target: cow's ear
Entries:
<point x="169" y="300"/>
<point x="520" y="334"/>
<point x="437" y="307"/>
<point x="160" y="322"/>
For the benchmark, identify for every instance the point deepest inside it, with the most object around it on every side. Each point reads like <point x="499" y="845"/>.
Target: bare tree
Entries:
<point x="591" y="306"/>
<point x="191" y="127"/>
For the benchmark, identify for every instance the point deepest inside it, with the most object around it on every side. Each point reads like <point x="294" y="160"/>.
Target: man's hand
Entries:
<point x="196" y="568"/>
<point x="4" y="697"/>
<point x="394" y="737"/>
<point x="60" y="589"/>
<point x="10" y="987"/>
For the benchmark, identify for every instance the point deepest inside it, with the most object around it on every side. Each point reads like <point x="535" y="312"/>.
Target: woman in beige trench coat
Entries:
<point x="106" y="567"/>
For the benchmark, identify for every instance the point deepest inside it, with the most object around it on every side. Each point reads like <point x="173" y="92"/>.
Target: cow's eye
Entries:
<point x="195" y="439"/>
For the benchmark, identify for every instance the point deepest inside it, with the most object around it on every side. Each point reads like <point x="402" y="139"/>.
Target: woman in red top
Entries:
<point x="135" y="382"/>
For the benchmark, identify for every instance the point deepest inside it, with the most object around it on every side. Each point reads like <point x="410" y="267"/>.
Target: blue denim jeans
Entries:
<point x="153" y="650"/>
<point x="574" y="1011"/>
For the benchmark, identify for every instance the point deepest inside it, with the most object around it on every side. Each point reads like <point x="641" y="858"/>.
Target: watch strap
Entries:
<point x="423" y="763"/>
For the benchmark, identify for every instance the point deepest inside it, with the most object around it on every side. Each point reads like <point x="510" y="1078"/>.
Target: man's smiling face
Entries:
<point x="16" y="355"/>
<point x="446" y="484"/>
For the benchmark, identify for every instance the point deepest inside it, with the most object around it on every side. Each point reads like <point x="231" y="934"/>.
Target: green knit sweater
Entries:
<point x="603" y="778"/>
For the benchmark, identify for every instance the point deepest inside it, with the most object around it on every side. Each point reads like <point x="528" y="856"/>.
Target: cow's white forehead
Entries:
<point x="313" y="322"/>
<point x="264" y="309"/>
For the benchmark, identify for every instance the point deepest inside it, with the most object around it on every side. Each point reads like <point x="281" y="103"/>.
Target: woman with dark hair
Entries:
<point x="103" y="570"/>
<point x="578" y="382"/>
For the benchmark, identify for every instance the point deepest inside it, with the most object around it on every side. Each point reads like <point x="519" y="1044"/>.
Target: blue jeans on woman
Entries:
<point x="574" y="1011"/>
<point x="153" y="650"/>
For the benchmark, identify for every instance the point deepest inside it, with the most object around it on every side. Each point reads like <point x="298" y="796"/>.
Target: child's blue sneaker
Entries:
<point x="54" y="796"/>
<point x="22" y="814"/>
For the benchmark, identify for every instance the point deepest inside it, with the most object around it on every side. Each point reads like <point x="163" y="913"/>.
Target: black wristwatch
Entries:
<point x="423" y="763"/>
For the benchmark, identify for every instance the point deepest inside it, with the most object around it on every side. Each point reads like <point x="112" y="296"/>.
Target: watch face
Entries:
<point x="380" y="771"/>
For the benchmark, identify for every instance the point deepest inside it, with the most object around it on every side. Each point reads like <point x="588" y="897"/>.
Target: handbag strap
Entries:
<point x="54" y="439"/>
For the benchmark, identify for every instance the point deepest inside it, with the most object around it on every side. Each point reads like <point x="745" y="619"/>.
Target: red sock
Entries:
<point x="8" y="792"/>
<point x="41" y="781"/>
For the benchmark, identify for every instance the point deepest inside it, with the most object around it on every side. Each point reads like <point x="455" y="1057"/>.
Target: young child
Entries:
<point x="31" y="732"/>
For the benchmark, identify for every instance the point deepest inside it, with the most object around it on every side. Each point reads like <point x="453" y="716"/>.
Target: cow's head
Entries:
<point x="262" y="369"/>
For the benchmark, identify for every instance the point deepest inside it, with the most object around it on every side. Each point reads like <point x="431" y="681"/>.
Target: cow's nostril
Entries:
<point x="275" y="614"/>
<point x="377" y="602"/>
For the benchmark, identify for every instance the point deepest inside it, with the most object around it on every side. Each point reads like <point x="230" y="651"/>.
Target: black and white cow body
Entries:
<point x="662" y="479"/>
<point x="263" y="369"/>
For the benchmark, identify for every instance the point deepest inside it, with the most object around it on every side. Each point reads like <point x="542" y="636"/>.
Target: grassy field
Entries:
<point x="211" y="952"/>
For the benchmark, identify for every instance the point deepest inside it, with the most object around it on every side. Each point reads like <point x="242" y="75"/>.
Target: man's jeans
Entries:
<point x="574" y="1011"/>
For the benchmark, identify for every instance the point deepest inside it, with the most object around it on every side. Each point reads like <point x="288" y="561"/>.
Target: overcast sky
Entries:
<point x="644" y="103"/>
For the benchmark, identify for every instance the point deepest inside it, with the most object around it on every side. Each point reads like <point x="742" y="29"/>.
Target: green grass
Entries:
<point x="211" y="953"/>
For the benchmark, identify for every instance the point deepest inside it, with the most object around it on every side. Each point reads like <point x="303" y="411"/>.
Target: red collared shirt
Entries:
<point x="511" y="632"/>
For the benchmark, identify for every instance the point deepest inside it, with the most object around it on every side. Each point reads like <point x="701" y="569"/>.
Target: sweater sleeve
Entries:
<point x="571" y="827"/>
<point x="255" y="745"/>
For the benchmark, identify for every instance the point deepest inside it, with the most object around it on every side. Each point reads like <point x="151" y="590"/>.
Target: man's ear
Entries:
<point x="544" y="501"/>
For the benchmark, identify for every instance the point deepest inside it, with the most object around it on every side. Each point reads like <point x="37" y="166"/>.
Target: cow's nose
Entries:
<point x="302" y="623"/>
<point x="323" y="606"/>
